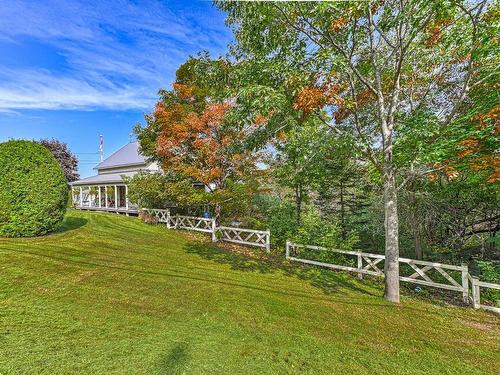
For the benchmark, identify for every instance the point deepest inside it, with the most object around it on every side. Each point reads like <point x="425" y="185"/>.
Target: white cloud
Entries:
<point x="41" y="90"/>
<point x="116" y="54"/>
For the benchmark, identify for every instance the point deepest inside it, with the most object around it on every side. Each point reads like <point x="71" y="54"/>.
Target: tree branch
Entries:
<point x="470" y="64"/>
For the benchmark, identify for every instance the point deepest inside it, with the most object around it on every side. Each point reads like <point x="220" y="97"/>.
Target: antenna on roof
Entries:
<point x="101" y="146"/>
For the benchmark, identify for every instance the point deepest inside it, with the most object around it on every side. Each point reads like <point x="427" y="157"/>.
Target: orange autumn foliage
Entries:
<point x="494" y="177"/>
<point x="492" y="117"/>
<point x="196" y="144"/>
<point x="311" y="98"/>
<point x="450" y="172"/>
<point x="281" y="136"/>
<point x="184" y="91"/>
<point x="259" y="120"/>
<point x="474" y="153"/>
<point x="337" y="24"/>
<point x="434" y="31"/>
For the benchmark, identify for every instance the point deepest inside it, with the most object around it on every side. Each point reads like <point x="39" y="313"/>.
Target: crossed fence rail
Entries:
<point x="259" y="238"/>
<point x="250" y="237"/>
<point x="199" y="224"/>
<point x="163" y="216"/>
<point x="438" y="275"/>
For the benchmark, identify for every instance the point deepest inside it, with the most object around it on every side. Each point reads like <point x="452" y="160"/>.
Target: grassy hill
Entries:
<point x="109" y="294"/>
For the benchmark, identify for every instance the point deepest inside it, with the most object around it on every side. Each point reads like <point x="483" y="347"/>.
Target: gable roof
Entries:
<point x="127" y="155"/>
<point x="108" y="178"/>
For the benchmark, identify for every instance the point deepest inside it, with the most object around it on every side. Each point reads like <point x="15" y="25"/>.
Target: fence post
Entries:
<point x="476" y="293"/>
<point x="287" y="250"/>
<point x="214" y="229"/>
<point x="473" y="289"/>
<point x="465" y="283"/>
<point x="360" y="265"/>
<point x="268" y="241"/>
<point x="176" y="223"/>
<point x="168" y="218"/>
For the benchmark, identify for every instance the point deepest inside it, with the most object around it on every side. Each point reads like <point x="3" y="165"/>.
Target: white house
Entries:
<point x="107" y="191"/>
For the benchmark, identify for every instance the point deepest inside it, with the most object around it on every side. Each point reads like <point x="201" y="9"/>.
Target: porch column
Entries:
<point x="99" y="195"/>
<point x="81" y="196"/>
<point x="116" y="197"/>
<point x="126" y="197"/>
<point x="106" y="195"/>
<point x="72" y="196"/>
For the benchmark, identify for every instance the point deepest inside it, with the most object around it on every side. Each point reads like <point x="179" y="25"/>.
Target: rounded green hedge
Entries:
<point x="33" y="190"/>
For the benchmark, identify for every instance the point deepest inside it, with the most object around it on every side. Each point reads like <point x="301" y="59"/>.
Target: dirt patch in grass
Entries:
<point x="487" y="326"/>
<point x="83" y="275"/>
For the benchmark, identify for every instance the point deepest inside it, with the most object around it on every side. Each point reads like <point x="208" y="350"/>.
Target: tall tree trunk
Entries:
<point x="391" y="267"/>
<point x="342" y="210"/>
<point x="419" y="251"/>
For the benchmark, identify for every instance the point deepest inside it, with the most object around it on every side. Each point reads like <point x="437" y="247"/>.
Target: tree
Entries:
<point x="371" y="67"/>
<point x="298" y="163"/>
<point x="68" y="161"/>
<point x="344" y="188"/>
<point x="189" y="135"/>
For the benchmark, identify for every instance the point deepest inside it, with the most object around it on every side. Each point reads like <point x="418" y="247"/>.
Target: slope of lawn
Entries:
<point x="109" y="294"/>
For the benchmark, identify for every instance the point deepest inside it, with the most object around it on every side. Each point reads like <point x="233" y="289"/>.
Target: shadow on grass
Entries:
<point x="166" y="272"/>
<point x="176" y="360"/>
<point x="71" y="223"/>
<point x="326" y="280"/>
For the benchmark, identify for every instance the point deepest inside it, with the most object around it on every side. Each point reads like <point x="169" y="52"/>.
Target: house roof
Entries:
<point x="127" y="155"/>
<point x="102" y="179"/>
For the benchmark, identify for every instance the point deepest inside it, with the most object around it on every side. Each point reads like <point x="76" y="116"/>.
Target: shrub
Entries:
<point x="33" y="190"/>
<point x="279" y="218"/>
<point x="162" y="190"/>
<point x="324" y="232"/>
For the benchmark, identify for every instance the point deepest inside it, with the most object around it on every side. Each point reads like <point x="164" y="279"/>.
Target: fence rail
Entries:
<point x="163" y="216"/>
<point x="259" y="238"/>
<point x="200" y="224"/>
<point x="475" y="296"/>
<point x="370" y="264"/>
<point x="243" y="236"/>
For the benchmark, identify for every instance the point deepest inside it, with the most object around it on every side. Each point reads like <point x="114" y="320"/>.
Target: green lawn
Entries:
<point x="109" y="294"/>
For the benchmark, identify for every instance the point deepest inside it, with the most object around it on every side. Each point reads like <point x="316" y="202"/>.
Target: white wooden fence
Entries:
<point x="475" y="295"/>
<point x="242" y="236"/>
<point x="371" y="264"/>
<point x="199" y="224"/>
<point x="260" y="238"/>
<point x="163" y="216"/>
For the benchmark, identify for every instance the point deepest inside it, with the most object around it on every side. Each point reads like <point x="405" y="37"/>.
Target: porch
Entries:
<point x="109" y="198"/>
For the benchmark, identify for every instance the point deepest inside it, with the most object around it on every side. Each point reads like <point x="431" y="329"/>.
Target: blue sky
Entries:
<point x="72" y="70"/>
